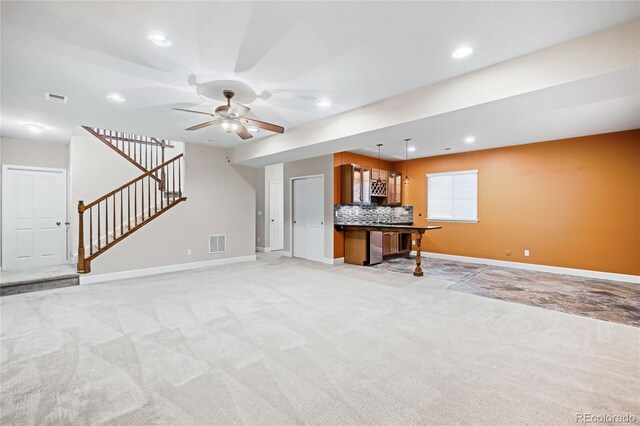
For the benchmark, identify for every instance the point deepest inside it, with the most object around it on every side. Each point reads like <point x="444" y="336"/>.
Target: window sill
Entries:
<point x="453" y="220"/>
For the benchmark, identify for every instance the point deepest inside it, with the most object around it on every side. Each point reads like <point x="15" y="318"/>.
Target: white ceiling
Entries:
<point x="285" y="54"/>
<point x="597" y="105"/>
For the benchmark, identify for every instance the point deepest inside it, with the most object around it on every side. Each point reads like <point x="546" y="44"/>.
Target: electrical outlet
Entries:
<point x="526" y="252"/>
<point x="413" y="242"/>
<point x="189" y="252"/>
<point x="259" y="213"/>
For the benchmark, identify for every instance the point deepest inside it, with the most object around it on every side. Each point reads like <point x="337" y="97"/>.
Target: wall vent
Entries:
<point x="59" y="99"/>
<point x="217" y="243"/>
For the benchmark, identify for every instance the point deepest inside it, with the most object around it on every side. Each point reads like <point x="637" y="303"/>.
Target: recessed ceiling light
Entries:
<point x="34" y="127"/>
<point x="114" y="97"/>
<point x="160" y="39"/>
<point x="469" y="139"/>
<point x="324" y="102"/>
<point x="462" y="52"/>
<point x="253" y="129"/>
<point x="411" y="149"/>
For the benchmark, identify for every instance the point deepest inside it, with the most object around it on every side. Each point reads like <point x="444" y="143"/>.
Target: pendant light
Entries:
<point x="406" y="159"/>
<point x="379" y="181"/>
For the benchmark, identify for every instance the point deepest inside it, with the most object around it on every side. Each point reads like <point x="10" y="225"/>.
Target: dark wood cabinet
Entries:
<point x="356" y="184"/>
<point x="396" y="243"/>
<point x="390" y="243"/>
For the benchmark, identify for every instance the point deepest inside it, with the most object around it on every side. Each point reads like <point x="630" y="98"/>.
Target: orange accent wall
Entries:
<point x="573" y="203"/>
<point x="339" y="159"/>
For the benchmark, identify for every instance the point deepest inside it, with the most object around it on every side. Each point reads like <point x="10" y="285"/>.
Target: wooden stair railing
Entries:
<point x="144" y="152"/>
<point x="121" y="212"/>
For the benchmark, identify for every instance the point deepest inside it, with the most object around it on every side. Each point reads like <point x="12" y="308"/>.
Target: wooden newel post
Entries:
<point x="83" y="265"/>
<point x="418" y="271"/>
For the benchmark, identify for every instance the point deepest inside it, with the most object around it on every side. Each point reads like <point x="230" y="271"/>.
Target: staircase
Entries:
<point x="111" y="218"/>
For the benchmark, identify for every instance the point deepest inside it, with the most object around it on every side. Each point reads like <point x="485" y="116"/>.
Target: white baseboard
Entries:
<point x="286" y="253"/>
<point x="330" y="261"/>
<point x="91" y="279"/>
<point x="263" y="249"/>
<point x="634" y="279"/>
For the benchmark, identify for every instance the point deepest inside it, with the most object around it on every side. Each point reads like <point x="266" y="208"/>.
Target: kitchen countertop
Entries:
<point x="382" y="226"/>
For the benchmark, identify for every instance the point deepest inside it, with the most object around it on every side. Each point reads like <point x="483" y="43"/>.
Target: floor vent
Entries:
<point x="60" y="99"/>
<point x="217" y="243"/>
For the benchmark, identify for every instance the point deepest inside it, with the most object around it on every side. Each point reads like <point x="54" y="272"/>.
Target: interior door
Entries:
<point x="299" y="219"/>
<point x="315" y="218"/>
<point x="34" y="215"/>
<point x="276" y="218"/>
<point x="308" y="218"/>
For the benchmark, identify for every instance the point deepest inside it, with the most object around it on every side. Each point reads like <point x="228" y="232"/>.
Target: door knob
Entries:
<point x="273" y="220"/>
<point x="58" y="223"/>
<point x="294" y="221"/>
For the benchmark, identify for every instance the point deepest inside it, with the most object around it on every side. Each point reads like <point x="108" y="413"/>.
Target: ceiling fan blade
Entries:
<point x="190" y="110"/>
<point x="261" y="124"/>
<point x="202" y="125"/>
<point x="244" y="133"/>
<point x="238" y="110"/>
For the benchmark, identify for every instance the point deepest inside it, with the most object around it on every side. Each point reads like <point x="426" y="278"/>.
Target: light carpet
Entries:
<point x="284" y="341"/>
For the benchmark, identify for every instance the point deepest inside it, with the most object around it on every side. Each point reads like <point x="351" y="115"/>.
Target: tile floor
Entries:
<point x="601" y="299"/>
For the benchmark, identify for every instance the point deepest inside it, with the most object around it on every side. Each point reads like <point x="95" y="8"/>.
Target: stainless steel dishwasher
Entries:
<point x="375" y="247"/>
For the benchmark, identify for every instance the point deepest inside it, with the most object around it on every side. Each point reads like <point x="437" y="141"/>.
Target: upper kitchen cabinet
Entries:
<point x="382" y="174"/>
<point x="356" y="184"/>
<point x="394" y="189"/>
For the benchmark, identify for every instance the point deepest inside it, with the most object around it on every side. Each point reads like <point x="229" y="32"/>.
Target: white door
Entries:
<point x="308" y="218"/>
<point x="276" y="218"/>
<point x="34" y="215"/>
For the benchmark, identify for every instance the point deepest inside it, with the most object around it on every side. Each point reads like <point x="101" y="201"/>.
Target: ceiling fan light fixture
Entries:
<point x="229" y="126"/>
<point x="253" y="129"/>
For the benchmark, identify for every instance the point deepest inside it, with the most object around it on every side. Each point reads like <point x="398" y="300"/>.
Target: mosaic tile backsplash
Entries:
<point x="364" y="214"/>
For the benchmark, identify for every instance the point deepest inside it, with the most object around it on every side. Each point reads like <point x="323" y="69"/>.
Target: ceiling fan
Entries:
<point x="231" y="118"/>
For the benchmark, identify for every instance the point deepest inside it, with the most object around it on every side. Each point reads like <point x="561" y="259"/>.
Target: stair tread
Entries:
<point x="11" y="278"/>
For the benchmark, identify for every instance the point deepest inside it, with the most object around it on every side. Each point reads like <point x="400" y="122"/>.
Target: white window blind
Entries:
<point x="453" y="196"/>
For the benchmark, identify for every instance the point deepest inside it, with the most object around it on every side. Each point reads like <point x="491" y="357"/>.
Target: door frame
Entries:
<point x="5" y="186"/>
<point x="291" y="179"/>
<point x="268" y="214"/>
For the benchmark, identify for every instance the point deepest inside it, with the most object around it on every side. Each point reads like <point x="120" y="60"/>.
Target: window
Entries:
<point x="452" y="196"/>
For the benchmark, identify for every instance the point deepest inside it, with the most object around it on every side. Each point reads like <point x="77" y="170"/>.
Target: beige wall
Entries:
<point x="313" y="166"/>
<point x="221" y="200"/>
<point x="24" y="152"/>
